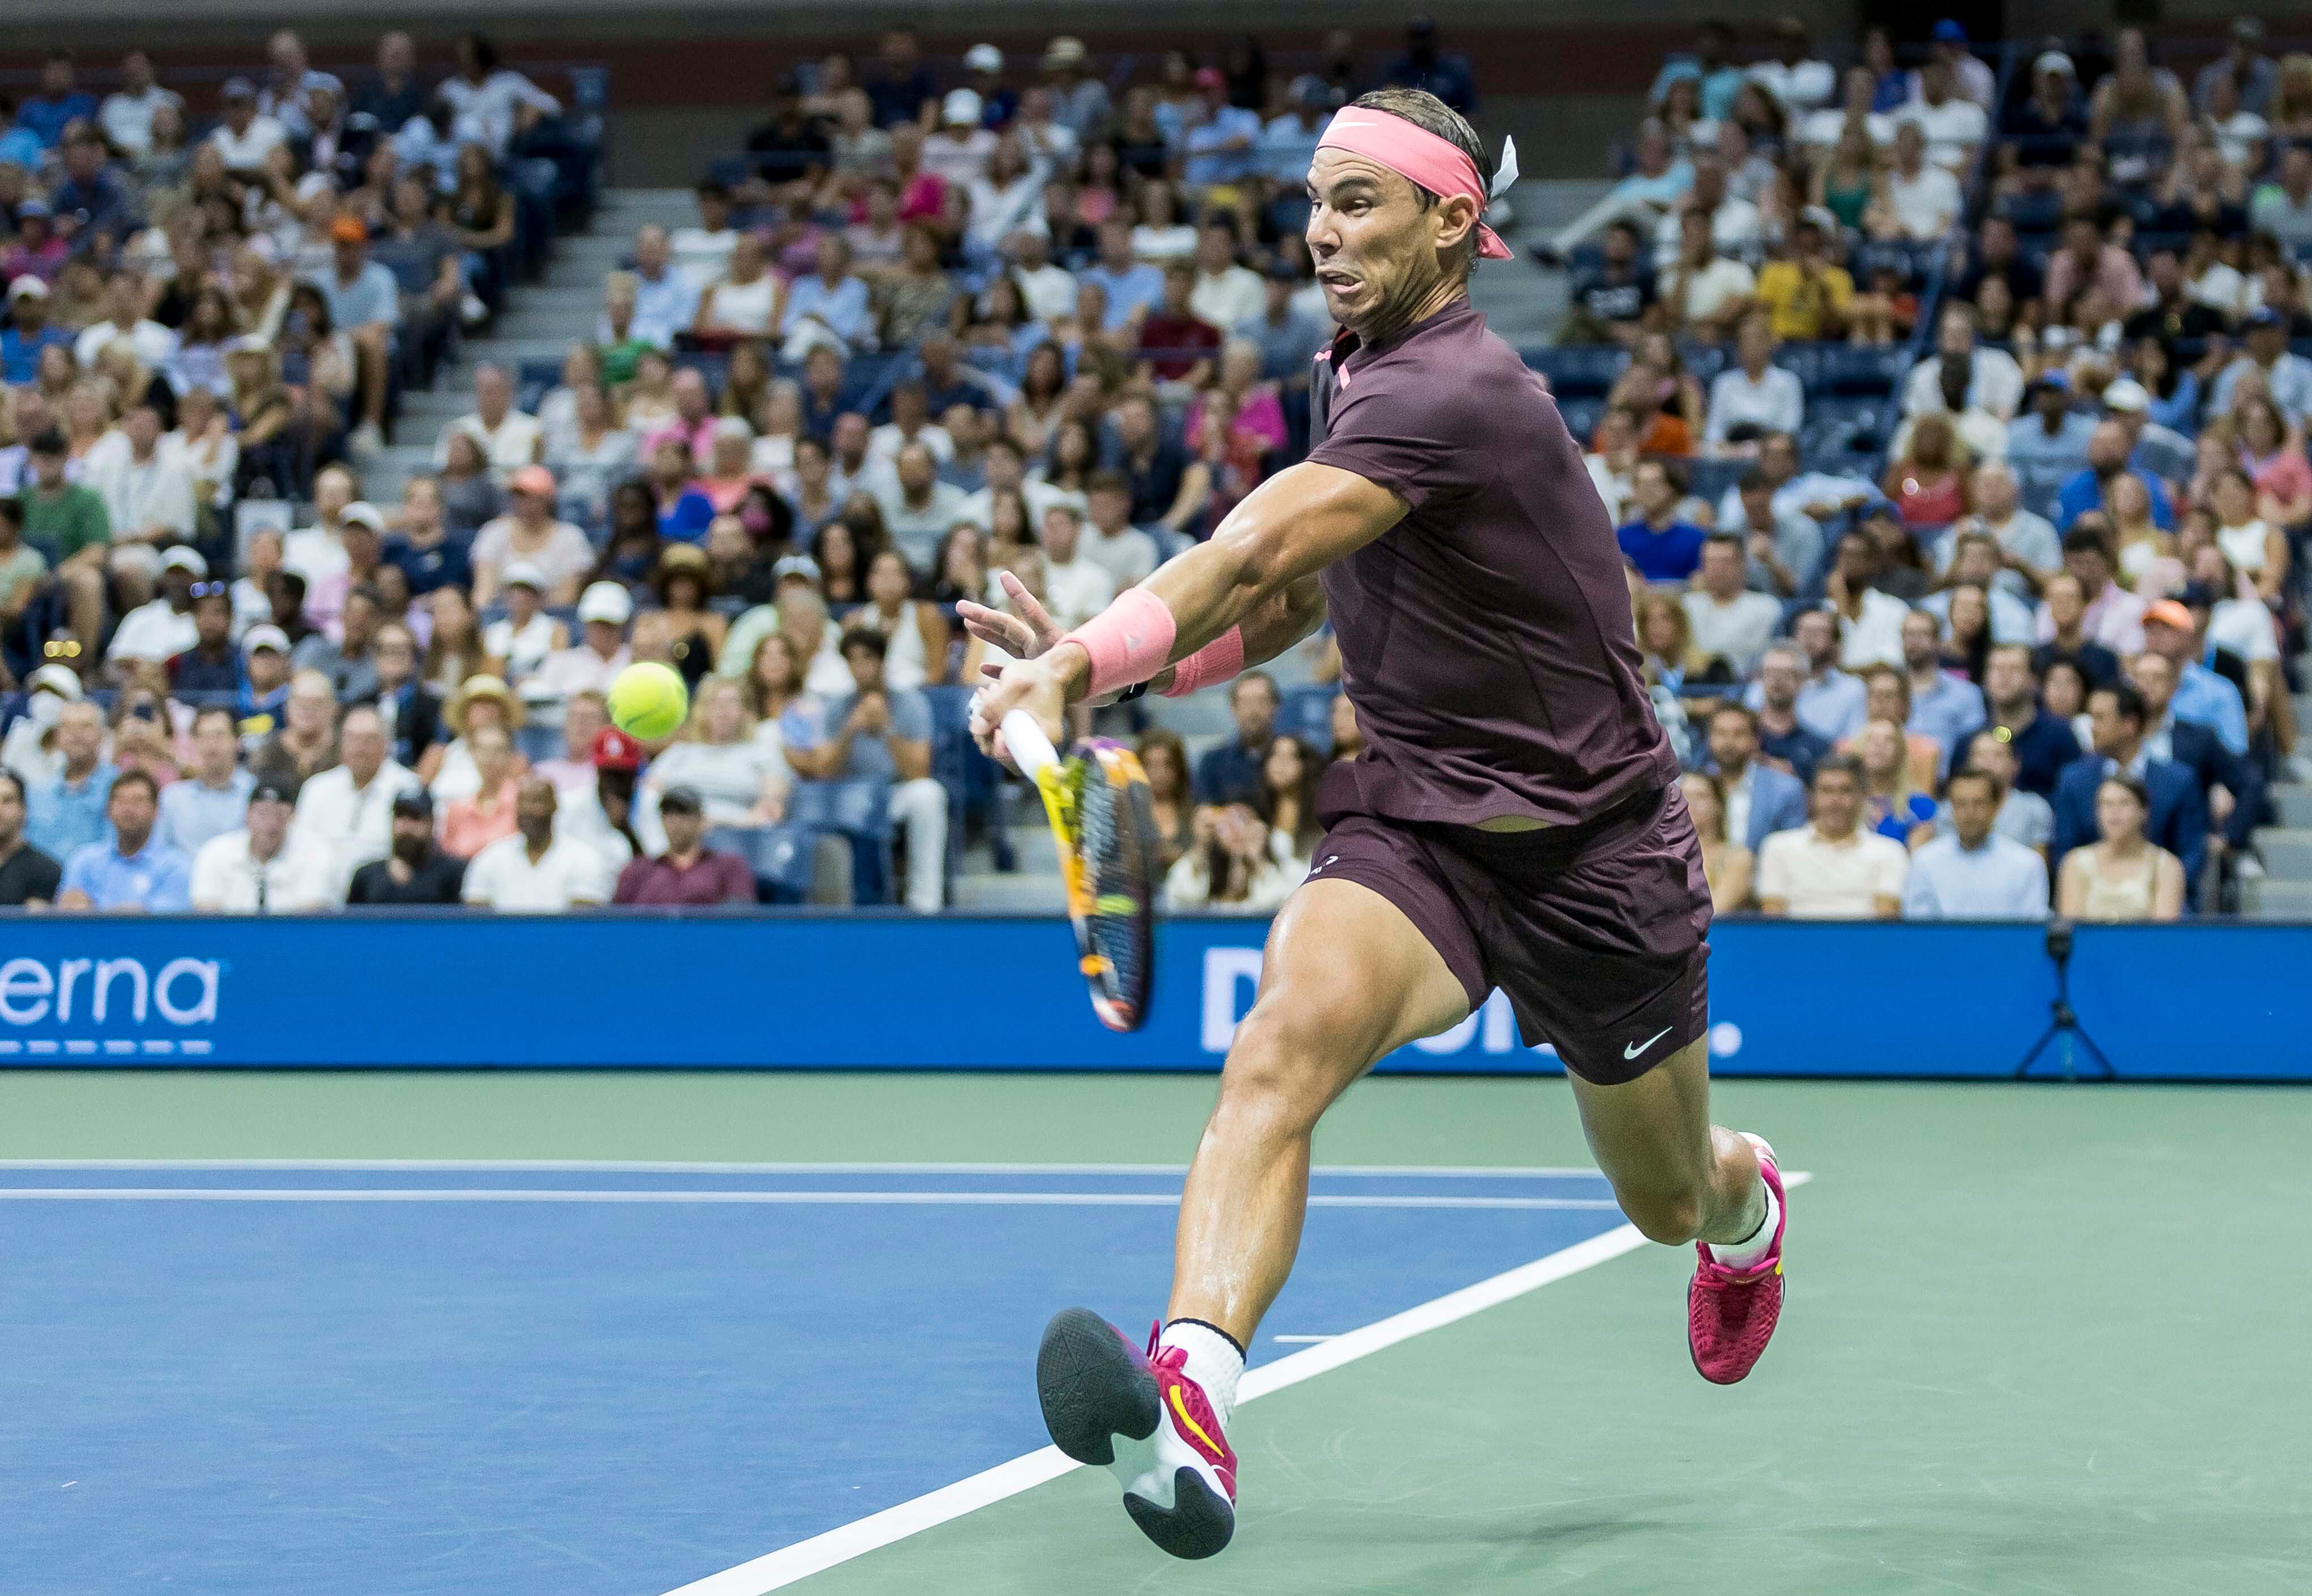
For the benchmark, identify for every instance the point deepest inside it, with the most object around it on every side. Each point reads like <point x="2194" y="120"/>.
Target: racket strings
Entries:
<point x="1115" y="871"/>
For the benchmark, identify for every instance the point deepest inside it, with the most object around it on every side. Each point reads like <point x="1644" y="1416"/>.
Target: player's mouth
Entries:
<point x="1335" y="281"/>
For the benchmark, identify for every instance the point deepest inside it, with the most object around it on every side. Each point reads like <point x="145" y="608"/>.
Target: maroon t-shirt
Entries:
<point x="712" y="878"/>
<point x="1177" y="343"/>
<point x="1485" y="639"/>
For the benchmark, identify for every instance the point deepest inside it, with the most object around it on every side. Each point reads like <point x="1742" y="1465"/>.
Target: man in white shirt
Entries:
<point x="1075" y="589"/>
<point x="604" y="609"/>
<point x="210" y="798"/>
<point x="1971" y="872"/>
<point x="1111" y="541"/>
<point x="258" y="869"/>
<point x="510" y="439"/>
<point x="1006" y="467"/>
<point x="1793" y="77"/>
<point x="959" y="153"/>
<point x="702" y="253"/>
<point x="1049" y="290"/>
<point x="918" y="508"/>
<point x="533" y="871"/>
<point x="1772" y="401"/>
<point x="1971" y="75"/>
<point x="243" y="137"/>
<point x="1870" y="622"/>
<point x="1226" y="292"/>
<point x="126" y="323"/>
<point x="1995" y="382"/>
<point x="157" y="632"/>
<point x="1955" y="125"/>
<point x="1833" y="869"/>
<point x="1734" y="224"/>
<point x="1922" y="199"/>
<point x="317" y="552"/>
<point x="1821" y="130"/>
<point x="911" y="422"/>
<point x="147" y="495"/>
<point x="126" y="114"/>
<point x="345" y="814"/>
<point x="1730" y="621"/>
<point x="666" y="301"/>
<point x="1970" y="554"/>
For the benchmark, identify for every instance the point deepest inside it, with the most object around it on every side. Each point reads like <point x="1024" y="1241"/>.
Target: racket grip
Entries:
<point x="1032" y="751"/>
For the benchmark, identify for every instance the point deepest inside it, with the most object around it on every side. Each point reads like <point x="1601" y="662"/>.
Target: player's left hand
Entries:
<point x="1025" y="633"/>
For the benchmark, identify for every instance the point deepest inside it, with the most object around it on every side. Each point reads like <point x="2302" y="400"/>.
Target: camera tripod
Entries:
<point x="2064" y="1027"/>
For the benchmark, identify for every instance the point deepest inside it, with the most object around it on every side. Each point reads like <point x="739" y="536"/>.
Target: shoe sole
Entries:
<point x="1093" y="1390"/>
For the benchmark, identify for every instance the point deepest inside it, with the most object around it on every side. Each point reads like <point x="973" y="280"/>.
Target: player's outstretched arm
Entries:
<point x="1287" y="530"/>
<point x="1029" y="630"/>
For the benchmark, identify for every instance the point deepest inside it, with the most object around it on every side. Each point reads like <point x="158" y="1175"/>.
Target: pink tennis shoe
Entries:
<point x="1731" y="1313"/>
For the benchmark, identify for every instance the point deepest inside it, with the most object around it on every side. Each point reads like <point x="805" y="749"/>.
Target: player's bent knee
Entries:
<point x="1286" y="1064"/>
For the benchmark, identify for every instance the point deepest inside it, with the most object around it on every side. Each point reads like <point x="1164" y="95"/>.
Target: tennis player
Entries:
<point x="1515" y="820"/>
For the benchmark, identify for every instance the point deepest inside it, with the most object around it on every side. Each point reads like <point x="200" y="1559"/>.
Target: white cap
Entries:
<point x="58" y="679"/>
<point x="733" y="426"/>
<point x="2126" y="395"/>
<point x="265" y="637"/>
<point x="984" y="57"/>
<point x="27" y="287"/>
<point x="962" y="105"/>
<point x="608" y="601"/>
<point x="181" y="558"/>
<point x="523" y="574"/>
<point x="362" y="513"/>
<point x="2053" y="61"/>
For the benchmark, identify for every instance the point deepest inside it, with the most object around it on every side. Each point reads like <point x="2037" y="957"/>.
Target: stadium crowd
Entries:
<point x="2019" y="606"/>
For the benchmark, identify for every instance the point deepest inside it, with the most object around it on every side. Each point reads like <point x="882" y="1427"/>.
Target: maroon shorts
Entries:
<point x="1598" y="933"/>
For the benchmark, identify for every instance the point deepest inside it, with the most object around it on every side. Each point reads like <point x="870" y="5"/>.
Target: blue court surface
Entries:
<point x="594" y="1379"/>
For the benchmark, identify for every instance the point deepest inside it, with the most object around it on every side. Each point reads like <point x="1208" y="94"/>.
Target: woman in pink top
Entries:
<point x="1927" y="486"/>
<point x="470" y="825"/>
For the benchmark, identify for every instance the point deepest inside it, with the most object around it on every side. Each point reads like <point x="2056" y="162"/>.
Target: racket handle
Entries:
<point x="1032" y="751"/>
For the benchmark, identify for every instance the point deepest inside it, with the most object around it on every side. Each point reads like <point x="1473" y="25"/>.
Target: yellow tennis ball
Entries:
<point x="648" y="702"/>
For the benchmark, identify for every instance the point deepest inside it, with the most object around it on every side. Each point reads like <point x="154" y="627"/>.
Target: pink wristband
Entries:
<point x="1128" y="642"/>
<point x="1220" y="660"/>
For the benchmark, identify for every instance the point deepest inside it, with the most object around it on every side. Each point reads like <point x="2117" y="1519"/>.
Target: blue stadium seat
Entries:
<point x="1581" y="418"/>
<point x="1705" y="361"/>
<point x="1709" y="479"/>
<point x="1848" y="369"/>
<point x="1578" y="371"/>
<point x="858" y="812"/>
<point x="779" y="855"/>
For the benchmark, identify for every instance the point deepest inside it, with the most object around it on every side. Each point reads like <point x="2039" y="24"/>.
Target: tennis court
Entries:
<point x="603" y="1333"/>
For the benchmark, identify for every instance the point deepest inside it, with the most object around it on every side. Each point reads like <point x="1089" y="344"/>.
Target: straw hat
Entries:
<point x="492" y="687"/>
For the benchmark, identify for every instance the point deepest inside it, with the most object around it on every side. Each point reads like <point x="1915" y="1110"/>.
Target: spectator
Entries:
<point x="2097" y="611"/>
<point x="1231" y="772"/>
<point x="1922" y="201"/>
<point x="903" y="90"/>
<point x="1230" y="865"/>
<point x="124" y="322"/>
<point x="306" y="742"/>
<point x="1995" y="382"/>
<point x="2043" y="743"/>
<point x="394" y="94"/>
<point x="666" y="300"/>
<point x="687" y="872"/>
<point x="2024" y="547"/>
<point x="2089" y="265"/>
<point x="1730" y="867"/>
<point x="158" y="631"/>
<point x="875" y="734"/>
<point x="1753" y="397"/>
<point x="1868" y="620"/>
<point x="1970" y="75"/>
<point x="2283" y="208"/>
<point x="414" y="872"/>
<point x="1972" y="871"/>
<point x="1176" y="345"/>
<point x="68" y="523"/>
<point x="2177" y="817"/>
<point x="364" y="302"/>
<point x="1954" y="125"/>
<point x="1943" y="706"/>
<point x="29" y="332"/>
<point x="474" y="821"/>
<point x="263" y="700"/>
<point x="29" y="878"/>
<point x="1075" y="587"/>
<point x="829" y="307"/>
<point x="508" y="438"/>
<point x="1757" y="798"/>
<point x="530" y="534"/>
<point x="1711" y="66"/>
<point x="1834" y="869"/>
<point x="534" y="872"/>
<point x="2172" y="632"/>
<point x="726" y="760"/>
<point x="2025" y="818"/>
<point x="583" y="719"/>
<point x="66" y="812"/>
<point x="1707" y="292"/>
<point x="918" y="507"/>
<point x="1893" y="802"/>
<point x="126" y="114"/>
<point x="2231" y="787"/>
<point x="2241" y="64"/>
<point x="1611" y="303"/>
<point x="1113" y="543"/>
<point x="1226" y="294"/>
<point x="344" y="813"/>
<point x="2287" y="376"/>
<point x="1728" y="621"/>
<point x="2122" y="875"/>
<point x="1799" y="82"/>
<point x="410" y="710"/>
<point x="1807" y="294"/>
<point x="209" y="800"/>
<point x="128" y="872"/>
<point x="1662" y="545"/>
<point x="258" y="869"/>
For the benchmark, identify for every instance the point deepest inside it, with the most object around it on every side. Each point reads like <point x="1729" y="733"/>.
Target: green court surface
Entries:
<point x="2038" y="1339"/>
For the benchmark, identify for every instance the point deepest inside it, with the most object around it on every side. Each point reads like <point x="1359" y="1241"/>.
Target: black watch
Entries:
<point x="1138" y="689"/>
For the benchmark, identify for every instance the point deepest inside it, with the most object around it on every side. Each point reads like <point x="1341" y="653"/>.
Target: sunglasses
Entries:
<point x="211" y="590"/>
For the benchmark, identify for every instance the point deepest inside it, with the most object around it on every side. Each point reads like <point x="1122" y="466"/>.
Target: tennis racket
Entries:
<point x="1104" y="828"/>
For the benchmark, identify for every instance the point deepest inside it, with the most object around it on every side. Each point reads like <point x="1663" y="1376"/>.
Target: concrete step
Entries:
<point x="528" y="324"/>
<point x="2276" y="900"/>
<point x="2286" y="853"/>
<point x="2293" y="800"/>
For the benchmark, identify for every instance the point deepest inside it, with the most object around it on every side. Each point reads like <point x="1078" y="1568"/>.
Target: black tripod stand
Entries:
<point x="2065" y="1026"/>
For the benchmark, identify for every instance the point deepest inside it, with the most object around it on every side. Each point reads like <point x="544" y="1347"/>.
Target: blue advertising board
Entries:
<point x="886" y="991"/>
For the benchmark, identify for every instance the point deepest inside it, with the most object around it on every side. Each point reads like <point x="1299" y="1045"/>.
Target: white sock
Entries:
<point x="1750" y="1254"/>
<point x="1213" y="1360"/>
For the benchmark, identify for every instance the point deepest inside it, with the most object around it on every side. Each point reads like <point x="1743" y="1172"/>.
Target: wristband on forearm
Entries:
<point x="1128" y="642"/>
<point x="1220" y="660"/>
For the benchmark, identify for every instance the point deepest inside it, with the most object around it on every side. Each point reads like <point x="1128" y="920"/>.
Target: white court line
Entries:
<point x="515" y="1194"/>
<point x="1299" y="1340"/>
<point x="776" y="1570"/>
<point x="670" y="1167"/>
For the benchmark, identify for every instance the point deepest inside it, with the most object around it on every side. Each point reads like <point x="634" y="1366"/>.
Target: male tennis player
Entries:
<point x="1515" y="820"/>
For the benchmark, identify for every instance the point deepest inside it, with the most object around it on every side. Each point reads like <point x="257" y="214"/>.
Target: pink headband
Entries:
<point x="1419" y="156"/>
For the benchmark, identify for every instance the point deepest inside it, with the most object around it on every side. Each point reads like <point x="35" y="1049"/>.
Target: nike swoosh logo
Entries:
<point x="1635" y="1049"/>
